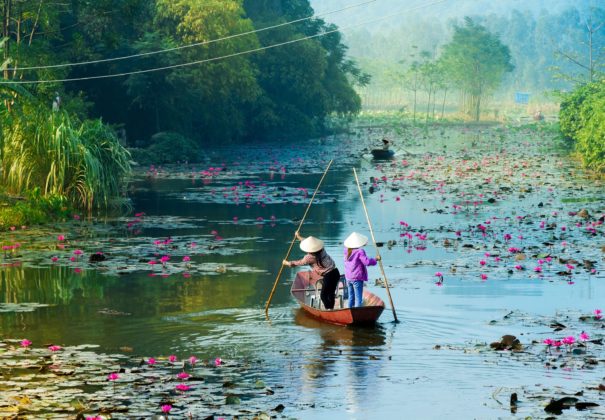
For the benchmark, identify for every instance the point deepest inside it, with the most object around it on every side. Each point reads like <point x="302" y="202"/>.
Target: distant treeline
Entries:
<point x="275" y="92"/>
<point x="549" y="50"/>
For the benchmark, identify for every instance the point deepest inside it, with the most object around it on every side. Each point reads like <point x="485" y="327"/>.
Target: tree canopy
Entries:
<point x="476" y="62"/>
<point x="286" y="90"/>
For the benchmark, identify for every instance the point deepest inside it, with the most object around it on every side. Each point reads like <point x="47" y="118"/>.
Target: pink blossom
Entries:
<point x="25" y="343"/>
<point x="218" y="361"/>
<point x="172" y="358"/>
<point x="151" y="361"/>
<point x="597" y="314"/>
<point x="166" y="408"/>
<point x="183" y="375"/>
<point x="165" y="259"/>
<point x="54" y="259"/>
<point x="54" y="348"/>
<point x="569" y="340"/>
<point x="186" y="258"/>
<point x="482" y="262"/>
<point x="483" y="276"/>
<point x="548" y="341"/>
<point x="584" y="336"/>
<point x="193" y="360"/>
<point x="183" y="387"/>
<point x="113" y="377"/>
<point x="538" y="269"/>
<point x="438" y="274"/>
<point x="78" y="252"/>
<point x="519" y="267"/>
<point x="60" y="238"/>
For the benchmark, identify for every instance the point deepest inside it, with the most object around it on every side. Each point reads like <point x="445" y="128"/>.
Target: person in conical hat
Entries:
<point x="321" y="264"/>
<point x="356" y="262"/>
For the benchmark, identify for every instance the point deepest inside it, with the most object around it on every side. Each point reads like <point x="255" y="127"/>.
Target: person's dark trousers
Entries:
<point x="328" y="291"/>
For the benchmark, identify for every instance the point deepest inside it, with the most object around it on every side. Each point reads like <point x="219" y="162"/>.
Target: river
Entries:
<point x="234" y="216"/>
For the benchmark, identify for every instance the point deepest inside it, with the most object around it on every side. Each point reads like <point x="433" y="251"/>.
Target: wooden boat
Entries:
<point x="382" y="153"/>
<point x="306" y="290"/>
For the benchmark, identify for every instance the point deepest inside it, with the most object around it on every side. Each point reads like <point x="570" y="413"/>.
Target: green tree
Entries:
<point x="476" y="61"/>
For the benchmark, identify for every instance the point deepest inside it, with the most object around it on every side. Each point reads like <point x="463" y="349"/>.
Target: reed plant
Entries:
<point x="83" y="162"/>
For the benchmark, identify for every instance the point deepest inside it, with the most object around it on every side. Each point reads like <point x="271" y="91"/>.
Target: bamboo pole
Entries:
<point x="386" y="282"/>
<point x="281" y="269"/>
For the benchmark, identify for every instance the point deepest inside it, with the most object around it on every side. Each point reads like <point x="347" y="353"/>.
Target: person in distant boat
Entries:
<point x="321" y="264"/>
<point x="356" y="262"/>
<point x="538" y="115"/>
<point x="386" y="144"/>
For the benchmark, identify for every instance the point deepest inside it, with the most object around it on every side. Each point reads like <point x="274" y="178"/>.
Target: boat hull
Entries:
<point x="382" y="154"/>
<point x="305" y="292"/>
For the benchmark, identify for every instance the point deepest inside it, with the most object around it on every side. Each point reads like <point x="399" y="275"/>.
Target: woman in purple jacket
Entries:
<point x="356" y="272"/>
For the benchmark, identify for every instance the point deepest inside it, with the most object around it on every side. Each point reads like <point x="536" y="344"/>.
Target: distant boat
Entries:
<point x="382" y="153"/>
<point x="306" y="290"/>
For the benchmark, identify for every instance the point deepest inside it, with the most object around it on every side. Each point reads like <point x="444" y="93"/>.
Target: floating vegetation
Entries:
<point x="77" y="381"/>
<point x="21" y="307"/>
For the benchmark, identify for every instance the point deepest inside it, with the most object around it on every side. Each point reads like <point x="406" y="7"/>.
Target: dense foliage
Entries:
<point x="48" y="151"/>
<point x="582" y="120"/>
<point x="286" y="90"/>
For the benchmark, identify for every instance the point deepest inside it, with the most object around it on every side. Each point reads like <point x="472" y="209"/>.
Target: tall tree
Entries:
<point x="476" y="61"/>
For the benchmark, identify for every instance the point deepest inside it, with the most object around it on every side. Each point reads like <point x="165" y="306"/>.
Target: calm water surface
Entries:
<point x="317" y="370"/>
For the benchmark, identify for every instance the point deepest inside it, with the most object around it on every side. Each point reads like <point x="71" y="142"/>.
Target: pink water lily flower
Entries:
<point x="193" y="360"/>
<point x="483" y="276"/>
<point x="183" y="387"/>
<point x="25" y="343"/>
<point x="584" y="336"/>
<point x="151" y="361"/>
<point x="569" y="340"/>
<point x="113" y="376"/>
<point x="598" y="314"/>
<point x="60" y="238"/>
<point x="172" y="358"/>
<point x="166" y="408"/>
<point x="548" y="341"/>
<point x="78" y="252"/>
<point x="518" y="267"/>
<point x="218" y="361"/>
<point x="186" y="258"/>
<point x="183" y="375"/>
<point x="54" y="259"/>
<point x="54" y="348"/>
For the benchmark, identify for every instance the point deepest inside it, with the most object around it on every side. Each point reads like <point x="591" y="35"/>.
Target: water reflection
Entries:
<point x="349" y="357"/>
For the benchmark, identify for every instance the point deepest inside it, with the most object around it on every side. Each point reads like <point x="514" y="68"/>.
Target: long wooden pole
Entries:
<point x="386" y="282"/>
<point x="294" y="239"/>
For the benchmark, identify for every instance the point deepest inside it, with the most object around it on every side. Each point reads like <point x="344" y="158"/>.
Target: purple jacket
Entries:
<point x="355" y="265"/>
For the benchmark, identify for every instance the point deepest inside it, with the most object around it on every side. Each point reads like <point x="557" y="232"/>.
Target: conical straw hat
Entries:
<point x="356" y="240"/>
<point x="311" y="244"/>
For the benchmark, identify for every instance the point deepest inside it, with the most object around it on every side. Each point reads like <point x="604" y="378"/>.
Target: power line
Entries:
<point x="197" y="44"/>
<point x="208" y="60"/>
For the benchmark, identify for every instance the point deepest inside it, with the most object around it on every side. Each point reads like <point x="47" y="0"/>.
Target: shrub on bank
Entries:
<point x="82" y="162"/>
<point x="32" y="209"/>
<point x="582" y="120"/>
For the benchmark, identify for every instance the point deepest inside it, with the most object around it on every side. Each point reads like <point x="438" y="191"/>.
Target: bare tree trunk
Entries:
<point x="6" y="32"/>
<point x="31" y="36"/>
<point x="443" y="105"/>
